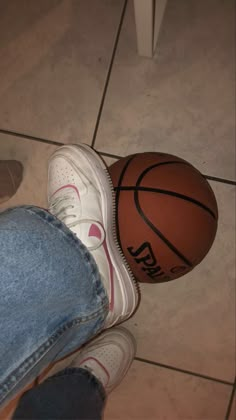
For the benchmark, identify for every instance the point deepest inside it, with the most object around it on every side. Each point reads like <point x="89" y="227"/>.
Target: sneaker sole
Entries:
<point x="127" y="282"/>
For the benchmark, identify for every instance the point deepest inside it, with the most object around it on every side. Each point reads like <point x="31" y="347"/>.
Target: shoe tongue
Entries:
<point x="64" y="197"/>
<point x="91" y="233"/>
<point x="63" y="202"/>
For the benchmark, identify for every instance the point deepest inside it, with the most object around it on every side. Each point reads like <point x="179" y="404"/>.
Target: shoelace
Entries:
<point x="63" y="211"/>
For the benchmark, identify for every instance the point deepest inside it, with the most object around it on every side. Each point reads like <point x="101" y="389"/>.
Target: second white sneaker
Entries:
<point x="80" y="194"/>
<point x="108" y="357"/>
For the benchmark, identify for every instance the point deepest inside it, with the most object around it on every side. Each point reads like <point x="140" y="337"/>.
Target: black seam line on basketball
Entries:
<point x="158" y="232"/>
<point x="184" y="371"/>
<point x="109" y="73"/>
<point x="29" y="137"/>
<point x="155" y="165"/>
<point x="118" y="198"/>
<point x="231" y="399"/>
<point x="170" y="162"/>
<point x="167" y="192"/>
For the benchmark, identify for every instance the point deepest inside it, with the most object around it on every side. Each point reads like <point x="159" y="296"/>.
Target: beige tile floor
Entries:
<point x="54" y="59"/>
<point x="182" y="101"/>
<point x="233" y="409"/>
<point x="53" y="67"/>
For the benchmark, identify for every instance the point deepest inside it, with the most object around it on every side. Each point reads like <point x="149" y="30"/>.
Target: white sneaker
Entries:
<point x="80" y="194"/>
<point x="108" y="357"/>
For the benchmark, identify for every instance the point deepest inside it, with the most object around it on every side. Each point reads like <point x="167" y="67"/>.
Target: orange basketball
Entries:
<point x="166" y="215"/>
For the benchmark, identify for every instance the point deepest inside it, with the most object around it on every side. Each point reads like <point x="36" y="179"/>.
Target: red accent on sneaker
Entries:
<point x="95" y="231"/>
<point x="100" y="364"/>
<point x="67" y="186"/>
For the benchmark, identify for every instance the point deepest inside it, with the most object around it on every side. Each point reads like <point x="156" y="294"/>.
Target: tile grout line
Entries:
<point x="221" y="180"/>
<point x="111" y="155"/>
<point x="231" y="399"/>
<point x="29" y="137"/>
<point x="109" y="73"/>
<point x="184" y="371"/>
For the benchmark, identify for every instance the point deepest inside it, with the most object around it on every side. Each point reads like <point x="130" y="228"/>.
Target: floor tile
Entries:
<point x="34" y="156"/>
<point x="190" y="322"/>
<point x="53" y="67"/>
<point x="183" y="100"/>
<point x="152" y="393"/>
<point x="233" y="409"/>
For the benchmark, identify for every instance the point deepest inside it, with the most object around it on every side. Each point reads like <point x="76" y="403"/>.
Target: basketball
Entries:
<point x="166" y="215"/>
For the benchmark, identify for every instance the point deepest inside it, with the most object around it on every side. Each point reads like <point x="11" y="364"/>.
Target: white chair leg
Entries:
<point x="160" y="6"/>
<point x="143" y="10"/>
<point x="148" y="19"/>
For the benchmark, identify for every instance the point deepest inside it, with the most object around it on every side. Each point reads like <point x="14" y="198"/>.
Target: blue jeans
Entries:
<point x="51" y="296"/>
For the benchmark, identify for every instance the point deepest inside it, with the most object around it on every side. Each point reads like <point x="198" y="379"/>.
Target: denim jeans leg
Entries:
<point x="71" y="394"/>
<point x="51" y="296"/>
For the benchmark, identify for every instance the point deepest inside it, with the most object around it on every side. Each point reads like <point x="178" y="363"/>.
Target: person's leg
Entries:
<point x="37" y="316"/>
<point x="79" y="391"/>
<point x="11" y="172"/>
<point x="56" y="289"/>
<point x="70" y="394"/>
<point x="51" y="297"/>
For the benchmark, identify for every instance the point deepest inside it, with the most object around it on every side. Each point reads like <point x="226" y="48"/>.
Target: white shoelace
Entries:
<point x="64" y="212"/>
